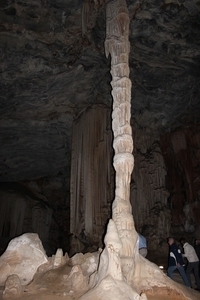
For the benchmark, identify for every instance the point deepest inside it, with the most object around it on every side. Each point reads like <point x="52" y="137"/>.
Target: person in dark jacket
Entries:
<point x="197" y="247"/>
<point x="175" y="261"/>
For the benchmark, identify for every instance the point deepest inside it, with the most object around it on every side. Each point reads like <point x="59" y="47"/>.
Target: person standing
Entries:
<point x="175" y="261"/>
<point x="142" y="245"/>
<point x="193" y="261"/>
<point x="197" y="247"/>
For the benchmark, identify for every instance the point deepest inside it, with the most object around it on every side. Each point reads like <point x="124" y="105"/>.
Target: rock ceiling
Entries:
<point x="53" y="67"/>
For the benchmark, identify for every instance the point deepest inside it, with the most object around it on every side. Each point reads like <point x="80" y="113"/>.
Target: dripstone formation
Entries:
<point x="55" y="89"/>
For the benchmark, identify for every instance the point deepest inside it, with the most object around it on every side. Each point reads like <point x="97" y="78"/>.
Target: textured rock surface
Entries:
<point x="40" y="206"/>
<point x="148" y="177"/>
<point x="92" y="177"/>
<point x="70" y="279"/>
<point x="13" y="287"/>
<point x="50" y="72"/>
<point x="22" y="257"/>
<point x="181" y="150"/>
<point x="53" y="68"/>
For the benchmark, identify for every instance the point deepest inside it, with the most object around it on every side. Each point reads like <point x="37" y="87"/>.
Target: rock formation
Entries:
<point x="92" y="176"/>
<point x="53" y="72"/>
<point x="121" y="268"/>
<point x="22" y="257"/>
<point x="13" y="286"/>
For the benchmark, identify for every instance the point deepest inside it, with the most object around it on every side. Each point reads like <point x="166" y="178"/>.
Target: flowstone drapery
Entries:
<point x="122" y="272"/>
<point x="91" y="159"/>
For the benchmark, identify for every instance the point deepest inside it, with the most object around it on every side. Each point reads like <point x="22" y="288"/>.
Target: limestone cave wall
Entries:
<point x="40" y="206"/>
<point x="162" y="177"/>
<point x="92" y="176"/>
<point x="165" y="189"/>
<point x="149" y="195"/>
<point x="181" y="152"/>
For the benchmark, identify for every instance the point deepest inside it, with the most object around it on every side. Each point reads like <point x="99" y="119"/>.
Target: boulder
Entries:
<point x="22" y="257"/>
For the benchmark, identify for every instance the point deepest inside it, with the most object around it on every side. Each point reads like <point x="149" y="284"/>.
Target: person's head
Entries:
<point x="170" y="240"/>
<point x="197" y="242"/>
<point x="183" y="241"/>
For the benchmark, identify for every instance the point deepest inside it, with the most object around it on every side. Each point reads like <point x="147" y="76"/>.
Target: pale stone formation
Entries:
<point x="88" y="262"/>
<point x="13" y="287"/>
<point x="77" y="280"/>
<point x="108" y="281"/>
<point x="23" y="256"/>
<point x="123" y="273"/>
<point x="71" y="278"/>
<point x="58" y="258"/>
<point x="111" y="289"/>
<point x="110" y="263"/>
<point x="117" y="45"/>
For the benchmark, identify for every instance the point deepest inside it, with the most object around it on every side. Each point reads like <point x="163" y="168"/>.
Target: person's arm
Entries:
<point x="186" y="251"/>
<point x="177" y="253"/>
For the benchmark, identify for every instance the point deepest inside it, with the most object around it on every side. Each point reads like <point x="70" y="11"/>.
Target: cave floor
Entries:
<point x="52" y="292"/>
<point x="51" y="286"/>
<point x="45" y="295"/>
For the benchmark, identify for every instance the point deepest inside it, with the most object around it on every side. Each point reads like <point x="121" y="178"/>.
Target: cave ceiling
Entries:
<point x="53" y="67"/>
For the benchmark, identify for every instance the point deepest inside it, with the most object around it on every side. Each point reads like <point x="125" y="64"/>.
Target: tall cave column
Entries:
<point x="122" y="273"/>
<point x="117" y="45"/>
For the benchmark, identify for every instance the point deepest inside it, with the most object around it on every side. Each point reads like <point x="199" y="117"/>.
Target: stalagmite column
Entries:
<point x="122" y="273"/>
<point x="117" y="45"/>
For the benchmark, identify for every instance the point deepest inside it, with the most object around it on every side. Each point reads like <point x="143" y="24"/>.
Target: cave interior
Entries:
<point x="56" y="172"/>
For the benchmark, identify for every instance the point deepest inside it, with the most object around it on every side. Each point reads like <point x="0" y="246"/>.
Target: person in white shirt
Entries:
<point x="193" y="261"/>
